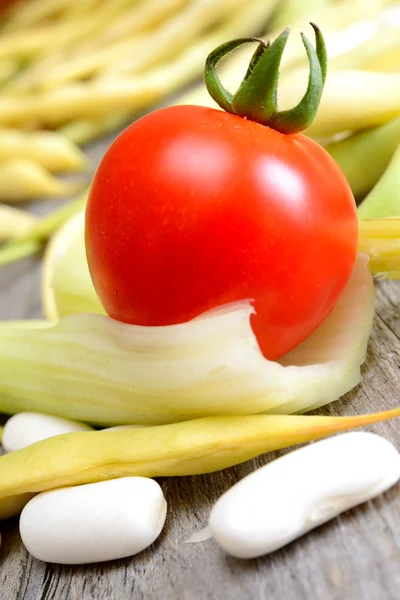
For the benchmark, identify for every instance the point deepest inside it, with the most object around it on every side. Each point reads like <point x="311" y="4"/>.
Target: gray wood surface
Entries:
<point x="354" y="557"/>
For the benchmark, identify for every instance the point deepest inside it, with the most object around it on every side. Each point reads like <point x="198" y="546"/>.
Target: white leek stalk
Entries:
<point x="91" y="368"/>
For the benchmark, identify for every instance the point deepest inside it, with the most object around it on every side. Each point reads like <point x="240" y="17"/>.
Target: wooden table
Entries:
<point x="354" y="557"/>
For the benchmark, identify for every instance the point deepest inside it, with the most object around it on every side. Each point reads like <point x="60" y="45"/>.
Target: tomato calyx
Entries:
<point x="256" y="98"/>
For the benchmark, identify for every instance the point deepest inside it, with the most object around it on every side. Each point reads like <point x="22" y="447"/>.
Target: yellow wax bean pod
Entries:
<point x="354" y="32"/>
<point x="387" y="60"/>
<point x="22" y="180"/>
<point x="91" y="368"/>
<point x="14" y="222"/>
<point x="81" y="132"/>
<point x="13" y="251"/>
<point x="94" y="52"/>
<point x="384" y="198"/>
<point x="19" y="44"/>
<point x="331" y="19"/>
<point x="188" y="448"/>
<point x="78" y="9"/>
<point x="384" y="41"/>
<point x="135" y="53"/>
<point x="85" y="130"/>
<point x="380" y="239"/>
<point x="47" y="44"/>
<point x="13" y="505"/>
<point x="85" y="64"/>
<point x="8" y="68"/>
<point x="182" y="28"/>
<point x="93" y="101"/>
<point x="143" y="16"/>
<point x="27" y="14"/>
<point x="292" y="11"/>
<point x="48" y="148"/>
<point x="364" y="156"/>
<point x="50" y="222"/>
<point x="346" y="26"/>
<point x="28" y="243"/>
<point x="352" y="100"/>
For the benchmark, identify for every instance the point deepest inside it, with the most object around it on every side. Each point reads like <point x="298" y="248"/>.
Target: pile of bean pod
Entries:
<point x="72" y="72"/>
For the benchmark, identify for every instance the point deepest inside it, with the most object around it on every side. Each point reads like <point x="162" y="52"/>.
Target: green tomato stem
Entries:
<point x="256" y="98"/>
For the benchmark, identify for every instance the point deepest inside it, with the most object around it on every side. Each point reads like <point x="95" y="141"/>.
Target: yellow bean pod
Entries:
<point x="188" y="448"/>
<point x="380" y="239"/>
<point x="352" y="100"/>
<point x="49" y="149"/>
<point x="377" y="48"/>
<point x="8" y="68"/>
<point x="133" y="53"/>
<point x="94" y="100"/>
<point x="13" y="505"/>
<point x="83" y="131"/>
<point x="22" y="180"/>
<point x="46" y="44"/>
<point x="14" y="222"/>
<point x="387" y="60"/>
<point x="27" y="14"/>
<point x="17" y="44"/>
<point x="141" y="17"/>
<point x="179" y="31"/>
<point x="30" y="242"/>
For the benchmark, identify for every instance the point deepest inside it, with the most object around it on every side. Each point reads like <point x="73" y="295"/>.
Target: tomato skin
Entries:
<point x="192" y="208"/>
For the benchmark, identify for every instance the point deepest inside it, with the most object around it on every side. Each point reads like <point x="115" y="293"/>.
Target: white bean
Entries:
<point x="94" y="522"/>
<point x="297" y="492"/>
<point x="27" y="428"/>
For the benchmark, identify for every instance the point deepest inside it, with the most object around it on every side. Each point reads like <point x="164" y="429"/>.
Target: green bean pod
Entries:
<point x="384" y="199"/>
<point x="364" y="156"/>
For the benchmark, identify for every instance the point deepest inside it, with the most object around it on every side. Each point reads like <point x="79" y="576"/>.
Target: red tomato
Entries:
<point x="192" y="208"/>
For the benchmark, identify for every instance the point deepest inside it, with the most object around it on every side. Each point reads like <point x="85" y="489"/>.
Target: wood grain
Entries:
<point x="354" y="557"/>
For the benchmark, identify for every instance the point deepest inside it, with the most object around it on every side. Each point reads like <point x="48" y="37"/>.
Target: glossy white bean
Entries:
<point x="27" y="428"/>
<point x="94" y="522"/>
<point x="297" y="492"/>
